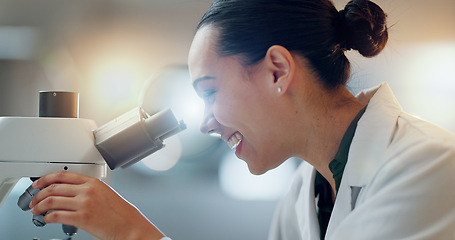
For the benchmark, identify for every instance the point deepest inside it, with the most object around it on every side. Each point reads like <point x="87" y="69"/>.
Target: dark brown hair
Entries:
<point x="312" y="28"/>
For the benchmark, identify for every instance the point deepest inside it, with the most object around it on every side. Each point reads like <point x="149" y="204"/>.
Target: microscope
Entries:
<point x="59" y="140"/>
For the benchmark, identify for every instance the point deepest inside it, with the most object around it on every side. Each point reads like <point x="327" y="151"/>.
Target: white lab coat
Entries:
<point x="399" y="182"/>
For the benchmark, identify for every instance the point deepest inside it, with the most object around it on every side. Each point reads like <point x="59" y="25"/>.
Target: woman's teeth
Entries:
<point x="235" y="140"/>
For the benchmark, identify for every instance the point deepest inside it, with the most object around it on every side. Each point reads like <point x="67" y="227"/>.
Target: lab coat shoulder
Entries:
<point x="406" y="178"/>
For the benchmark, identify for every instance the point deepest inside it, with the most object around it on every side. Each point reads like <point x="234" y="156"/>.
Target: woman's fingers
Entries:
<point x="54" y="202"/>
<point x="88" y="203"/>
<point x="59" y="177"/>
<point x="63" y="217"/>
<point x="64" y="190"/>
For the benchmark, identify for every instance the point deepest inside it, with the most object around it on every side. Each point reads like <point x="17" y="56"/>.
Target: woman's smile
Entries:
<point x="234" y="140"/>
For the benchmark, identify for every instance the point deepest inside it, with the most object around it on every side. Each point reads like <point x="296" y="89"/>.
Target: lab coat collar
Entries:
<point x="373" y="135"/>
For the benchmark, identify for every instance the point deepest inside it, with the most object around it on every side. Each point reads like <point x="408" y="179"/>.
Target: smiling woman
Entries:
<point x="272" y="76"/>
<point x="273" y="81"/>
<point x="231" y="102"/>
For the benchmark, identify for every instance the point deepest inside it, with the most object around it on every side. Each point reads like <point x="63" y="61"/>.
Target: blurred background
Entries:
<point x="120" y="54"/>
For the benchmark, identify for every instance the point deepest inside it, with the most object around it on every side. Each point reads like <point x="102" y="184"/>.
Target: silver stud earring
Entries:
<point x="279" y="89"/>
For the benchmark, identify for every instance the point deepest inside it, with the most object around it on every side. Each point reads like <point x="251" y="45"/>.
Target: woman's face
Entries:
<point x="239" y="104"/>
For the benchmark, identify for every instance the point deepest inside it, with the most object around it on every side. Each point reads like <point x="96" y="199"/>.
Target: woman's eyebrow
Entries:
<point x="197" y="80"/>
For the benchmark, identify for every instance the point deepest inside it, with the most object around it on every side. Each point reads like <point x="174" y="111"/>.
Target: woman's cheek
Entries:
<point x="224" y="112"/>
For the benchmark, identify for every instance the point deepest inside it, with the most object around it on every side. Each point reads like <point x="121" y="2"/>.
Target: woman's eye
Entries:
<point x="208" y="95"/>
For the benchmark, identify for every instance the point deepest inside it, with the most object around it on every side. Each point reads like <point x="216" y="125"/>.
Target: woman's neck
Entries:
<point x="325" y="119"/>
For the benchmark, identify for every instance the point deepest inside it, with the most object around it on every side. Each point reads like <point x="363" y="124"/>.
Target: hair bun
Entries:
<point x="363" y="27"/>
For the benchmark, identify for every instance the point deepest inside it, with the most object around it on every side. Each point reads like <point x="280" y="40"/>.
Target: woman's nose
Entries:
<point x="209" y="124"/>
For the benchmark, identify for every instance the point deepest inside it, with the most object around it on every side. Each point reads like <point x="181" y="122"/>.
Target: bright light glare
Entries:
<point x="172" y="88"/>
<point x="237" y="181"/>
<point x="116" y="80"/>
<point x="429" y="74"/>
<point x="433" y="63"/>
<point x="165" y="158"/>
<point x="187" y="105"/>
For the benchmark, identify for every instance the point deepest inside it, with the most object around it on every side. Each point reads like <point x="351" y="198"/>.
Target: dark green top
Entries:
<point x="323" y="190"/>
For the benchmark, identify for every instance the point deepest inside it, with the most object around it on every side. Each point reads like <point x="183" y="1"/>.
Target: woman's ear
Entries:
<point x="281" y="65"/>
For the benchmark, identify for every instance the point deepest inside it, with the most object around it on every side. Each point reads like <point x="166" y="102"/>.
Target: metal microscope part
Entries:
<point x="69" y="230"/>
<point x="38" y="220"/>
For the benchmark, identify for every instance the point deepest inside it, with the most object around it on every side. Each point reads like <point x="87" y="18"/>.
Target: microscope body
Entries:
<point x="36" y="146"/>
<point x="33" y="147"/>
<point x="59" y="140"/>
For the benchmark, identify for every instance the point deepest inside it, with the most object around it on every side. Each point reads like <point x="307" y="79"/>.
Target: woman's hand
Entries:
<point x="90" y="204"/>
